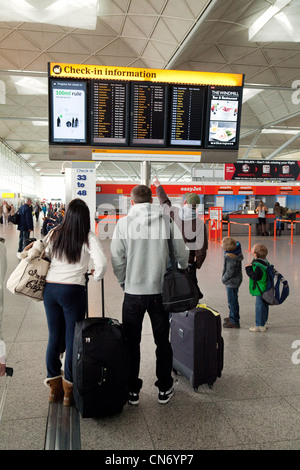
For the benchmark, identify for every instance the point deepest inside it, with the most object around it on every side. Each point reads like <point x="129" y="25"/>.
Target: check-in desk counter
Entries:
<point x="252" y="219"/>
<point x="297" y="224"/>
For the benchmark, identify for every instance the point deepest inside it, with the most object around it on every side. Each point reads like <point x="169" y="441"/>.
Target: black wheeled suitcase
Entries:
<point x="198" y="346"/>
<point x="28" y="241"/>
<point x="100" y="366"/>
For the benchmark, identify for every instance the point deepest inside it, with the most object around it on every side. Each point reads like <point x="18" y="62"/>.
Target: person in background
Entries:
<point x="70" y="246"/>
<point x="25" y="225"/>
<point x="12" y="210"/>
<point x="37" y="210"/>
<point x="278" y="211"/>
<point x="257" y="272"/>
<point x="262" y="211"/>
<point x="140" y="255"/>
<point x="3" y="268"/>
<point x="191" y="226"/>
<point x="232" y="279"/>
<point x="5" y="210"/>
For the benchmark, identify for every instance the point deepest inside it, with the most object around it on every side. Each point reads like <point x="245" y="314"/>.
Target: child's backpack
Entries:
<point x="277" y="288"/>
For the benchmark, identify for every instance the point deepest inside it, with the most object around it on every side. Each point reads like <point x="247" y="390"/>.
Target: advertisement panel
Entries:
<point x="263" y="170"/>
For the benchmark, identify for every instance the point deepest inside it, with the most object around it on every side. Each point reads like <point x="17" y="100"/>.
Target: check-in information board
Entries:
<point x="109" y="107"/>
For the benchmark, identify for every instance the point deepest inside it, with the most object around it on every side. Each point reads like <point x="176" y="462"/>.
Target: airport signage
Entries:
<point x="264" y="170"/>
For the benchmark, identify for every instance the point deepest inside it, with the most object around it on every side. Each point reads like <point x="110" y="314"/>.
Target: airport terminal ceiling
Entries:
<point x="224" y="36"/>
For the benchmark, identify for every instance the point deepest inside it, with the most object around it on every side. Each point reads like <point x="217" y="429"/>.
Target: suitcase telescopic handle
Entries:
<point x="87" y="274"/>
<point x="9" y="371"/>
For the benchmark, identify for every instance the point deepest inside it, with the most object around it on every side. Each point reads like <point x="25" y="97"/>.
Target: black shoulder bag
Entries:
<point x="179" y="292"/>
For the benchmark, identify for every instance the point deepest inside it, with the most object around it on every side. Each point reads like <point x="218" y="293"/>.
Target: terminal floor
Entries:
<point x="255" y="405"/>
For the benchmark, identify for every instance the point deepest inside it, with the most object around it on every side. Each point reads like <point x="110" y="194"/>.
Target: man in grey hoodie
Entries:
<point x="139" y="254"/>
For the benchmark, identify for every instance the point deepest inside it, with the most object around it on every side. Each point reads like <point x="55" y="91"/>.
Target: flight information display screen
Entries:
<point x="68" y="123"/>
<point x="115" y="113"/>
<point x="223" y="117"/>
<point x="187" y="115"/>
<point x="148" y="114"/>
<point x="109" y="108"/>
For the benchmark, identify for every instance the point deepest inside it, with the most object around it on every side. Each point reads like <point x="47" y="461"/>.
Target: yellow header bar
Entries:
<point x="105" y="72"/>
<point x="152" y="151"/>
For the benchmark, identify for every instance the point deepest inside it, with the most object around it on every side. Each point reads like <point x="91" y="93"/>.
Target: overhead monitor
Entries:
<point x="223" y="117"/>
<point x="104" y="109"/>
<point x="68" y="116"/>
<point x="148" y="114"/>
<point x="187" y="115"/>
<point x="109" y="113"/>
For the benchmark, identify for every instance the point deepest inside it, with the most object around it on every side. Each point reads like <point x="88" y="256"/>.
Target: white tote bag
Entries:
<point x="29" y="278"/>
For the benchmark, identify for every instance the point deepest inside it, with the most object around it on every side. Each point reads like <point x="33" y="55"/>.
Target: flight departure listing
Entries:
<point x="187" y="115"/>
<point x="109" y="113"/>
<point x="148" y="114"/>
<point x="118" y="113"/>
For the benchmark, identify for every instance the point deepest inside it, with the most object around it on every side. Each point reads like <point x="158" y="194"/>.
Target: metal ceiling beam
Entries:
<point x="34" y="118"/>
<point x="195" y="29"/>
<point x="290" y="141"/>
<point x="252" y="145"/>
<point x="122" y="171"/>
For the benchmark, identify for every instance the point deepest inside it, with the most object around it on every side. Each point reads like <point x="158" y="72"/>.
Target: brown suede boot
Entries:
<point x="68" y="392"/>
<point x="56" y="389"/>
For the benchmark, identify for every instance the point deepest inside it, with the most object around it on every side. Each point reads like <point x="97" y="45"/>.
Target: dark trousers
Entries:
<point x="23" y="236"/>
<point x="134" y="308"/>
<point x="233" y="305"/>
<point x="65" y="304"/>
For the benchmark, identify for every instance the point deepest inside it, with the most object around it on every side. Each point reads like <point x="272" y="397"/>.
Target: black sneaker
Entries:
<point x="165" y="397"/>
<point x="133" y="398"/>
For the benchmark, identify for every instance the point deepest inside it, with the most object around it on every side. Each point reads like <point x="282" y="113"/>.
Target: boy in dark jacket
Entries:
<point x="232" y="278"/>
<point x="257" y="272"/>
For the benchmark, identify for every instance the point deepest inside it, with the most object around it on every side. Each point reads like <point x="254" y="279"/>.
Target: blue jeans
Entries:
<point x="23" y="236"/>
<point x="65" y="304"/>
<point x="233" y="305"/>
<point x="134" y="308"/>
<point x="261" y="311"/>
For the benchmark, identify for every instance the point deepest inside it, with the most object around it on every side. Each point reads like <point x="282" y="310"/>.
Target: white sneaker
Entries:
<point x="258" y="329"/>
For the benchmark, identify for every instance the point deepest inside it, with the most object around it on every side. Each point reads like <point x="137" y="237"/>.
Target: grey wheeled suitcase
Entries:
<point x="198" y="346"/>
<point x="100" y="366"/>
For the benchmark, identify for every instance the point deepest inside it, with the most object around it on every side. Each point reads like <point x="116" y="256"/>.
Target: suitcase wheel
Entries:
<point x="210" y="385"/>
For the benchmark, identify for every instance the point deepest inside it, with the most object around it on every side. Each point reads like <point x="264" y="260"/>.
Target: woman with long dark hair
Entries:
<point x="70" y="246"/>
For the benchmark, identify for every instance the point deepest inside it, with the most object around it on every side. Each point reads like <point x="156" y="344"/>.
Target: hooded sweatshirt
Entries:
<point x="139" y="249"/>
<point x="232" y="270"/>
